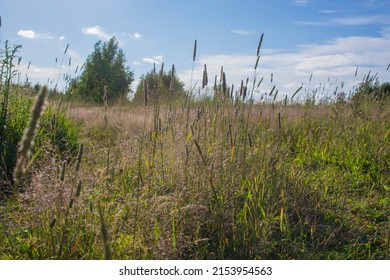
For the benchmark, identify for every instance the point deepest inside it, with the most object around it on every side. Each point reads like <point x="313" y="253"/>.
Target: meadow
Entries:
<point x="214" y="178"/>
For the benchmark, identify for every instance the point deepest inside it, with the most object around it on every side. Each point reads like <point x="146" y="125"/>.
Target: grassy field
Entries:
<point x="212" y="179"/>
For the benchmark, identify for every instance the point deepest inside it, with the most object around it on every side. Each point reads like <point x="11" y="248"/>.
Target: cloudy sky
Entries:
<point x="329" y="45"/>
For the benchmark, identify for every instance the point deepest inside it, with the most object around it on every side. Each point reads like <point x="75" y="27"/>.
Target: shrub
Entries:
<point x="59" y="130"/>
<point x="56" y="129"/>
<point x="371" y="89"/>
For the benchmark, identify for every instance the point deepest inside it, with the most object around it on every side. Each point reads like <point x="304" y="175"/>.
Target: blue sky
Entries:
<point x="327" y="40"/>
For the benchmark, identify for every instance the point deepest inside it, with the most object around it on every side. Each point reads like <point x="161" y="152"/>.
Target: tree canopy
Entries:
<point x="105" y="74"/>
<point x="371" y="89"/>
<point x="164" y="85"/>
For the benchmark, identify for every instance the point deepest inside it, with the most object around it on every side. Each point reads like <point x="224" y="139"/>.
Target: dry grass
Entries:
<point x="240" y="181"/>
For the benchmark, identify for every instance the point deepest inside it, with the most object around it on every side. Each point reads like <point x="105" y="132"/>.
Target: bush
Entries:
<point x="18" y="114"/>
<point x="59" y="130"/>
<point x="371" y="89"/>
<point x="56" y="129"/>
<point x="162" y="86"/>
<point x="9" y="128"/>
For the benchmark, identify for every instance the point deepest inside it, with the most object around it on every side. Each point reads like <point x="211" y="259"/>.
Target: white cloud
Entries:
<point x="242" y="32"/>
<point x="52" y="74"/>
<point x="137" y="35"/>
<point x="42" y="75"/>
<point x="149" y="60"/>
<point x="97" y="31"/>
<point x="61" y="38"/>
<point x="30" y="34"/>
<point x="349" y="21"/>
<point x="385" y="32"/>
<point x="301" y="2"/>
<point x="369" y="3"/>
<point x="329" y="11"/>
<point x="330" y="63"/>
<point x="157" y="59"/>
<point x="363" y="20"/>
<point x="312" y="23"/>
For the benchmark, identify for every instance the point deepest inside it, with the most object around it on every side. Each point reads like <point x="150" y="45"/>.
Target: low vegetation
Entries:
<point x="216" y="178"/>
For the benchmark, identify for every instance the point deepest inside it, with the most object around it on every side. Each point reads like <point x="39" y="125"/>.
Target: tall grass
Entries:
<point x="10" y="125"/>
<point x="216" y="178"/>
<point x="27" y="142"/>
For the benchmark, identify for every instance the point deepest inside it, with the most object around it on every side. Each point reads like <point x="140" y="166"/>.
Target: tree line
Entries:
<point x="107" y="79"/>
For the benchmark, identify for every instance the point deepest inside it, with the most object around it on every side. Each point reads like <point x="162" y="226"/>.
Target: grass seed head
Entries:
<point x="194" y="56"/>
<point x="205" y="78"/>
<point x="145" y="92"/>
<point x="259" y="46"/>
<point x="27" y="142"/>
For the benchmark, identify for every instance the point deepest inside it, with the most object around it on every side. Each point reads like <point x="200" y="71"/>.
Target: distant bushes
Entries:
<point x="370" y="89"/>
<point x="163" y="86"/>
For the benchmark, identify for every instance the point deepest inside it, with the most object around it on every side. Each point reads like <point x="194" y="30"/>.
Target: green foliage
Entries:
<point x="12" y="113"/>
<point x="166" y="87"/>
<point x="18" y="115"/>
<point x="371" y="89"/>
<point x="105" y="73"/>
<point x="310" y="184"/>
<point x="220" y="180"/>
<point x="57" y="129"/>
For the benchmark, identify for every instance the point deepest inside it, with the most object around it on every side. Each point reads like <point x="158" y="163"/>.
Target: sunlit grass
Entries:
<point x="242" y="181"/>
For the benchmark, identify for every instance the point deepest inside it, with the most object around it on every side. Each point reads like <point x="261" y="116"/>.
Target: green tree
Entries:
<point x="165" y="86"/>
<point x="371" y="89"/>
<point x="105" y="73"/>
